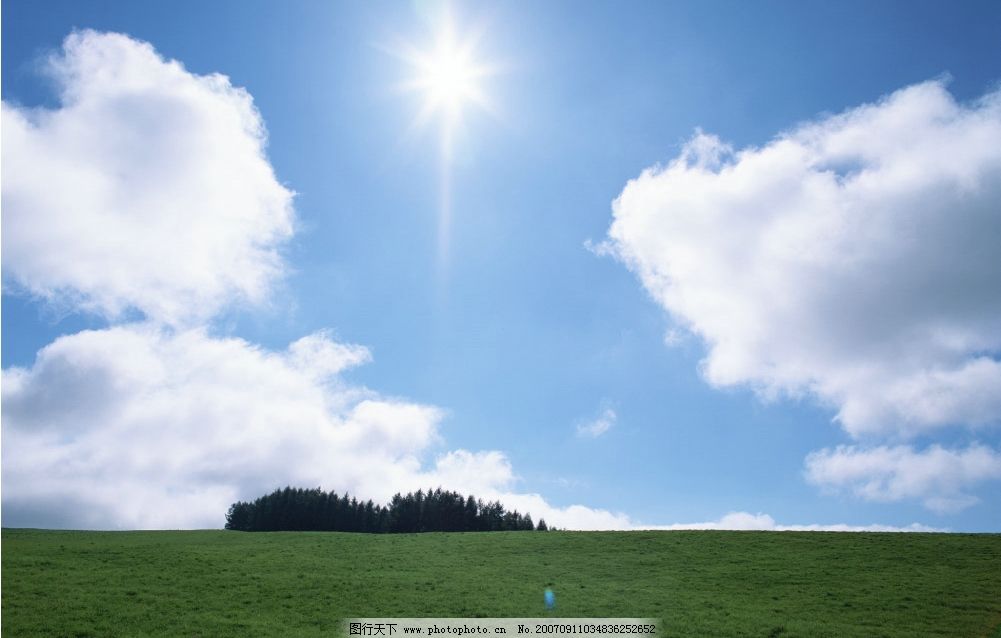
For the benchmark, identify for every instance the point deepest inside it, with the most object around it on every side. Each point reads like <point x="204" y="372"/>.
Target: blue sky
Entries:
<point x="538" y="321"/>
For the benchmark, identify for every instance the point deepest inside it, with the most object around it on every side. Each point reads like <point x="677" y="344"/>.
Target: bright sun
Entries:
<point x="448" y="79"/>
<point x="448" y="75"/>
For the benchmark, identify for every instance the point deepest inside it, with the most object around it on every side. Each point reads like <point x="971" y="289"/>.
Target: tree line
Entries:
<point x="298" y="509"/>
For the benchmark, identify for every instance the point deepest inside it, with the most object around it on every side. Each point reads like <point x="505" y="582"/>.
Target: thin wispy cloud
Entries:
<point x="599" y="425"/>
<point x="746" y="521"/>
<point x="940" y="478"/>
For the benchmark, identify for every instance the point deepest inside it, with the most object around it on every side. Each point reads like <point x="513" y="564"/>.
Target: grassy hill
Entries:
<point x="216" y="583"/>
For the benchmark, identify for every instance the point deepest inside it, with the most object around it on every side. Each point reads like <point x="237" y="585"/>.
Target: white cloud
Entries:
<point x="743" y="521"/>
<point x="940" y="478"/>
<point x="323" y="356"/>
<point x="479" y="473"/>
<point x="576" y="517"/>
<point x="138" y="426"/>
<point x="599" y="425"/>
<point x="854" y="258"/>
<point x="147" y="188"/>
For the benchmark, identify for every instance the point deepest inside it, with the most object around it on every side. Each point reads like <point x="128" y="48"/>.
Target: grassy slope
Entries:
<point x="215" y="583"/>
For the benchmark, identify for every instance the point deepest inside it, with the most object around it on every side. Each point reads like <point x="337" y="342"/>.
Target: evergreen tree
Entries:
<point x="436" y="509"/>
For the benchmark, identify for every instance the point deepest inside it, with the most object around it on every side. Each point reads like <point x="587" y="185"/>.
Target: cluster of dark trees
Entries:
<point x="297" y="509"/>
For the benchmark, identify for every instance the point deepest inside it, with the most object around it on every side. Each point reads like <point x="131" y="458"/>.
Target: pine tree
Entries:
<point x="436" y="509"/>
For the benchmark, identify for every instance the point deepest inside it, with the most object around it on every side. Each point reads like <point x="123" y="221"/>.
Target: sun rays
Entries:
<point x="448" y="74"/>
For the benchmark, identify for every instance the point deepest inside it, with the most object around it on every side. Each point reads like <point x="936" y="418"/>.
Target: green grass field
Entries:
<point x="216" y="583"/>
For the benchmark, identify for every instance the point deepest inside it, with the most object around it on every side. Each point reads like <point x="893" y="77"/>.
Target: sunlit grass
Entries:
<point x="215" y="583"/>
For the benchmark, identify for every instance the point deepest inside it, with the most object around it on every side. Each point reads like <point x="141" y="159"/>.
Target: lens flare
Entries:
<point x="448" y="75"/>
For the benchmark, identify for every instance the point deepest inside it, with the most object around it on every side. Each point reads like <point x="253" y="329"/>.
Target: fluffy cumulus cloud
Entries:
<point x="137" y="426"/>
<point x="146" y="189"/>
<point x="147" y="428"/>
<point x="939" y="477"/>
<point x="853" y="259"/>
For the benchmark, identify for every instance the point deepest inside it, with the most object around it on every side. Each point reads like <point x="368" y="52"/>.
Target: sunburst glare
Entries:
<point x="448" y="75"/>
